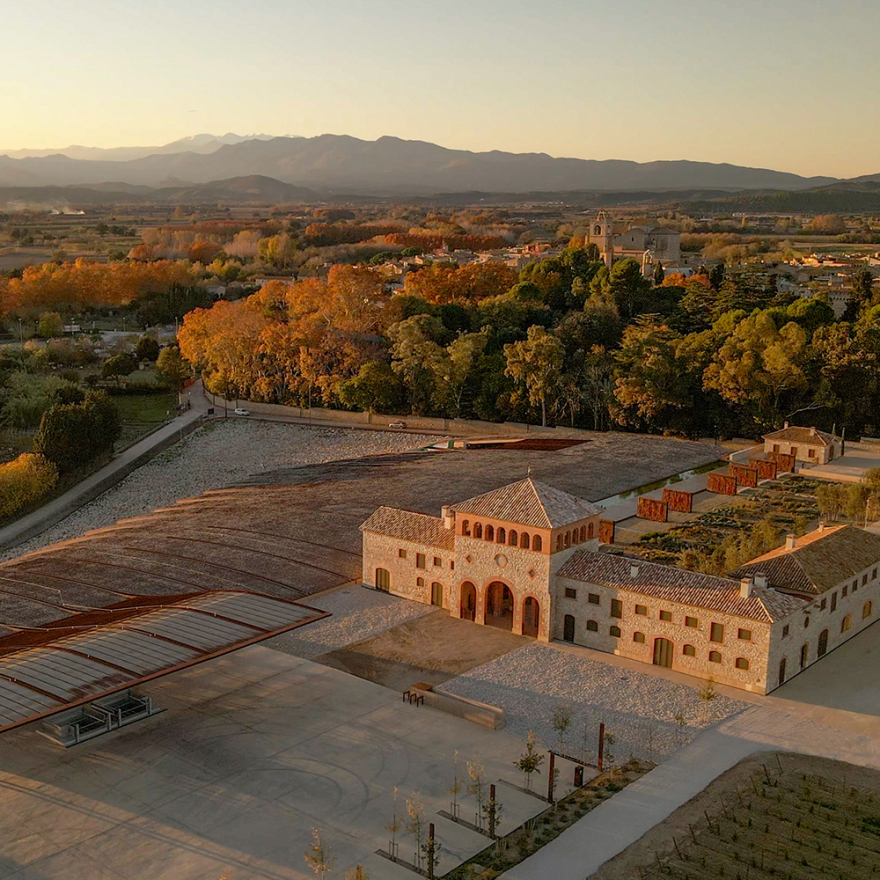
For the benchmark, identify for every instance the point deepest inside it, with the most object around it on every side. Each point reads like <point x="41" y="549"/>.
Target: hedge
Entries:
<point x="23" y="481"/>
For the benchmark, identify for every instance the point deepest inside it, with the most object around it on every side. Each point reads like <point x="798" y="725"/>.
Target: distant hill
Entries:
<point x="846" y="197"/>
<point x="391" y="166"/>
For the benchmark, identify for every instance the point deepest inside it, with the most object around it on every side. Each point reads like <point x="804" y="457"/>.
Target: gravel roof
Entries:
<point x="678" y="585"/>
<point x="410" y="526"/>
<point x="819" y="561"/>
<point x="810" y="436"/>
<point x="530" y="503"/>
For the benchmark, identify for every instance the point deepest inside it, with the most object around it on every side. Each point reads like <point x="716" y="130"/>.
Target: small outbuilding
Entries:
<point x="805" y="444"/>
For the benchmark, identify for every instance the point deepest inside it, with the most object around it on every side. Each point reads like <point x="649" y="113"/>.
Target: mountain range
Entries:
<point x="389" y="166"/>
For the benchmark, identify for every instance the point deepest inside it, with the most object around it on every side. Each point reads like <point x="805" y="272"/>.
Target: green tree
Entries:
<point x="117" y="366"/>
<point x="106" y="424"/>
<point x="64" y="436"/>
<point x="530" y="760"/>
<point x="49" y="325"/>
<point x="537" y="363"/>
<point x="416" y="352"/>
<point x="147" y="349"/>
<point x="659" y="274"/>
<point x="375" y="388"/>
<point x="454" y="369"/>
<point x="629" y="287"/>
<point x="171" y="368"/>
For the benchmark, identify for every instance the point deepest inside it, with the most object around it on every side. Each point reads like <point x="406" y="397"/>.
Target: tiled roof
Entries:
<point x="678" y="585"/>
<point x="530" y="503"/>
<point x="819" y="561"/>
<point x="410" y="526"/>
<point x="810" y="436"/>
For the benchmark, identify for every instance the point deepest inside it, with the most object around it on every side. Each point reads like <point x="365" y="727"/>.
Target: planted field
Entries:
<point x="774" y="816"/>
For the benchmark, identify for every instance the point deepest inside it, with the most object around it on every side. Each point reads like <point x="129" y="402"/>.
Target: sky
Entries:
<point x="786" y="84"/>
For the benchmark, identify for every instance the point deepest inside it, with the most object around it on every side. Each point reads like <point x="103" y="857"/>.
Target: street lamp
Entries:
<point x="20" y="333"/>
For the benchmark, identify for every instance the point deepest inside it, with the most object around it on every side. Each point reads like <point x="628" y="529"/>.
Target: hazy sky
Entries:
<point x="787" y="84"/>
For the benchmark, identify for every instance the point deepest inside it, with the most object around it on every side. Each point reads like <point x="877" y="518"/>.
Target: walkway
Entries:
<point x="97" y="483"/>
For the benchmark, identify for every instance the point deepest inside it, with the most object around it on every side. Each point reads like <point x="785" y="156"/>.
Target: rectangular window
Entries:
<point x="844" y="591"/>
<point x="616" y="608"/>
<point x="642" y="609"/>
<point x="785" y="631"/>
<point x="401" y="554"/>
<point x="571" y="593"/>
<point x="451" y="564"/>
<point x="665" y="615"/>
<point x="874" y="575"/>
<point x="812" y="453"/>
<point x="834" y="601"/>
<point x="716" y="633"/>
<point x="855" y="584"/>
<point x="864" y="579"/>
<point x="420" y="560"/>
<point x="691" y="622"/>
<point x="593" y="599"/>
<point x="438" y="560"/>
<point x="745" y="635"/>
<point x="822" y="604"/>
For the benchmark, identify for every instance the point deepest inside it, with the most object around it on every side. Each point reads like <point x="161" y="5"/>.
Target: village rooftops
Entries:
<point x="807" y="436"/>
<point x="530" y="503"/>
<point x="410" y="526"/>
<point x="676" y="585"/>
<point x="817" y="561"/>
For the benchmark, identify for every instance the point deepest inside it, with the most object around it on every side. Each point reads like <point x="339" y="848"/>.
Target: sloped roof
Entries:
<point x="677" y="585"/>
<point x="794" y="434"/>
<point x="819" y="561"/>
<point x="410" y="526"/>
<point x="530" y="503"/>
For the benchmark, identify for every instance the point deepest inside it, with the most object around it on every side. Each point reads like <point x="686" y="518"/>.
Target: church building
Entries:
<point x="647" y="245"/>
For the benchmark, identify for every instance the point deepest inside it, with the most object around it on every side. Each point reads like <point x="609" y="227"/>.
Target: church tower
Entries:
<point x="602" y="235"/>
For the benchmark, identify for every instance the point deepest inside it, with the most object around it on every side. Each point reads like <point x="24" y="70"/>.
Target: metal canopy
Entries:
<point x="135" y="645"/>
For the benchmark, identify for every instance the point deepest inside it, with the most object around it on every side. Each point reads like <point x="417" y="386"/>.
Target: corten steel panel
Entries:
<point x="606" y="531"/>
<point x="652" y="509"/>
<point x="70" y="670"/>
<point x="784" y="462"/>
<point x="766" y="469"/>
<point x="679" y="500"/>
<point x="744" y="475"/>
<point x="721" y="484"/>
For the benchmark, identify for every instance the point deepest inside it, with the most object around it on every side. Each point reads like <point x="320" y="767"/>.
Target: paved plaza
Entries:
<point x="255" y="749"/>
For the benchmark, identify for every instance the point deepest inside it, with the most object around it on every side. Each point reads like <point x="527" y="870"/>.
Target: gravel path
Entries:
<point x="358" y="614"/>
<point x="649" y="717"/>
<point x="217" y="455"/>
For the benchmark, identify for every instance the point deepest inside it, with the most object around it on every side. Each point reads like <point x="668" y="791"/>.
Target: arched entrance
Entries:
<point x="531" y="617"/>
<point x="663" y="653"/>
<point x="823" y="642"/>
<point x="468" y="609"/>
<point x="499" y="605"/>
<point x="383" y="579"/>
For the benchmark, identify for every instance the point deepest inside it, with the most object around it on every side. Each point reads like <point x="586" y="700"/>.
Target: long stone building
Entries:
<point x="526" y="558"/>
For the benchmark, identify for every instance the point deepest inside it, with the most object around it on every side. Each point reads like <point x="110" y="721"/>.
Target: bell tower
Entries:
<point x="602" y="235"/>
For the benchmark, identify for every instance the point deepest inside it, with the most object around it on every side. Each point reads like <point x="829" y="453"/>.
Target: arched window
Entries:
<point x="714" y="657"/>
<point x="614" y="631"/>
<point x="805" y="654"/>
<point x="524" y="541"/>
<point x="597" y="230"/>
<point x="742" y="663"/>
<point x="639" y="637"/>
<point x="590" y="532"/>
<point x="466" y="528"/>
<point x="478" y="530"/>
<point x="867" y="608"/>
<point x="420" y="582"/>
<point x="846" y="623"/>
<point x="437" y="594"/>
<point x="592" y="626"/>
<point x="383" y="579"/>
<point x="502" y="536"/>
<point x="689" y="651"/>
<point x="559" y="542"/>
<point x="537" y="543"/>
<point x="513" y="538"/>
<point x="583" y="534"/>
<point x="490" y="533"/>
<point x="567" y="542"/>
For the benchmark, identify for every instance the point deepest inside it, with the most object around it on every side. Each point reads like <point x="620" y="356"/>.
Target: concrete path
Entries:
<point x="97" y="483"/>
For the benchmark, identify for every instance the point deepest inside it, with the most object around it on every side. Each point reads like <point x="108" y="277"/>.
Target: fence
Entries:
<point x="744" y="474"/>
<point x="766" y="469"/>
<point x="652" y="509"/>
<point x="679" y="500"/>
<point x="721" y="484"/>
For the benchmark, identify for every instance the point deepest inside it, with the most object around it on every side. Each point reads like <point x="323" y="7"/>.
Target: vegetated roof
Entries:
<point x="92" y="655"/>
<point x="819" y="560"/>
<point x="809" y="436"/>
<point x="530" y="503"/>
<point x="677" y="585"/>
<point x="410" y="526"/>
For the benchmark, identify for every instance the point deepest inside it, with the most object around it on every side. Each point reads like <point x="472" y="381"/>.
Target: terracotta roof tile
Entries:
<point x="794" y="434"/>
<point x="410" y="526"/>
<point x="530" y="503"/>
<point x="678" y="585"/>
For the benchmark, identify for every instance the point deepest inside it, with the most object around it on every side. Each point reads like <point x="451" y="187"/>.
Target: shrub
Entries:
<point x="23" y="481"/>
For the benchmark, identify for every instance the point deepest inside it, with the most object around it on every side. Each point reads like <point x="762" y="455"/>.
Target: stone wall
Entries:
<point x="381" y="551"/>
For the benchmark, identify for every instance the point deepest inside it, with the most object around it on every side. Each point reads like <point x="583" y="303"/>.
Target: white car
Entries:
<point x="397" y="425"/>
<point x="242" y="412"/>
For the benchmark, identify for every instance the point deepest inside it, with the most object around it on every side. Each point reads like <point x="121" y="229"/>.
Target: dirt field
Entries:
<point x="784" y="816"/>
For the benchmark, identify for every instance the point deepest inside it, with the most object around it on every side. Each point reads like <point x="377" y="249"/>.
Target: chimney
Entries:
<point x="821" y="526"/>
<point x="745" y="588"/>
<point x="785" y="426"/>
<point x="790" y="542"/>
<point x="761" y="580"/>
<point x="633" y="570"/>
<point x="448" y="517"/>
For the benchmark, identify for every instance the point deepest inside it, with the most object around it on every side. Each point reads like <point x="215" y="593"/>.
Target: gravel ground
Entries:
<point x="649" y="717"/>
<point x="358" y="614"/>
<point x="217" y="455"/>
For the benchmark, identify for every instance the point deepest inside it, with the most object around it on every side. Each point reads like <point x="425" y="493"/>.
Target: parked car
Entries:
<point x="397" y="425"/>
<point x="242" y="412"/>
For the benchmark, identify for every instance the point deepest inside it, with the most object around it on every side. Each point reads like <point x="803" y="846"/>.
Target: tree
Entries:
<point x="416" y="352"/>
<point x="376" y="388"/>
<point x="530" y="761"/>
<point x="454" y="367"/>
<point x="64" y="436"/>
<point x="319" y="856"/>
<point x="537" y="363"/>
<point x="628" y="286"/>
<point x="415" y="824"/>
<point x="560" y="722"/>
<point x="106" y="424"/>
<point x="170" y="367"/>
<point x="147" y="349"/>
<point x="659" y="274"/>
<point x="477" y="787"/>
<point x="50" y="324"/>
<point x="117" y="366"/>
<point x="356" y="873"/>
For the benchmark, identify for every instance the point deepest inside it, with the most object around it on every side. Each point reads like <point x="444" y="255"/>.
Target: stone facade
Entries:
<point x="805" y="444"/>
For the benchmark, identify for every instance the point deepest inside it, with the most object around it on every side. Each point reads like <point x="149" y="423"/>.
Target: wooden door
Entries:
<point x="663" y="653"/>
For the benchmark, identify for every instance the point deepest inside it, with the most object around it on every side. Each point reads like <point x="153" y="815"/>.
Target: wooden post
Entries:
<point x="431" y="851"/>
<point x="601" y="747"/>
<point x="550" y="776"/>
<point x="492" y="811"/>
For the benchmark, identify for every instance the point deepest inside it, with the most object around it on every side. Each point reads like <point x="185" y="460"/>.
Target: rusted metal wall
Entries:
<point x="766" y="469"/>
<point x="784" y="462"/>
<point x="606" y="531"/>
<point x="652" y="509"/>
<point x="721" y="484"/>
<point x="679" y="500"/>
<point x="744" y="475"/>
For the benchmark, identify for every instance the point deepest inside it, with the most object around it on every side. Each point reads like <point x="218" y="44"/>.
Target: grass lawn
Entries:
<point x="141" y="413"/>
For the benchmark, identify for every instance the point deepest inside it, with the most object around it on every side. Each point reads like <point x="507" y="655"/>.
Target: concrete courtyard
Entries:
<point x="255" y="749"/>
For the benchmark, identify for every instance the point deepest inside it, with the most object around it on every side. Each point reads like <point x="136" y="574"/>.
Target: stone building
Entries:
<point x="647" y="245"/>
<point x="805" y="444"/>
<point x="526" y="558"/>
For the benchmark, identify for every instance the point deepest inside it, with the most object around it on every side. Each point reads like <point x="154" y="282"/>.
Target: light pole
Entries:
<point x="20" y="333"/>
